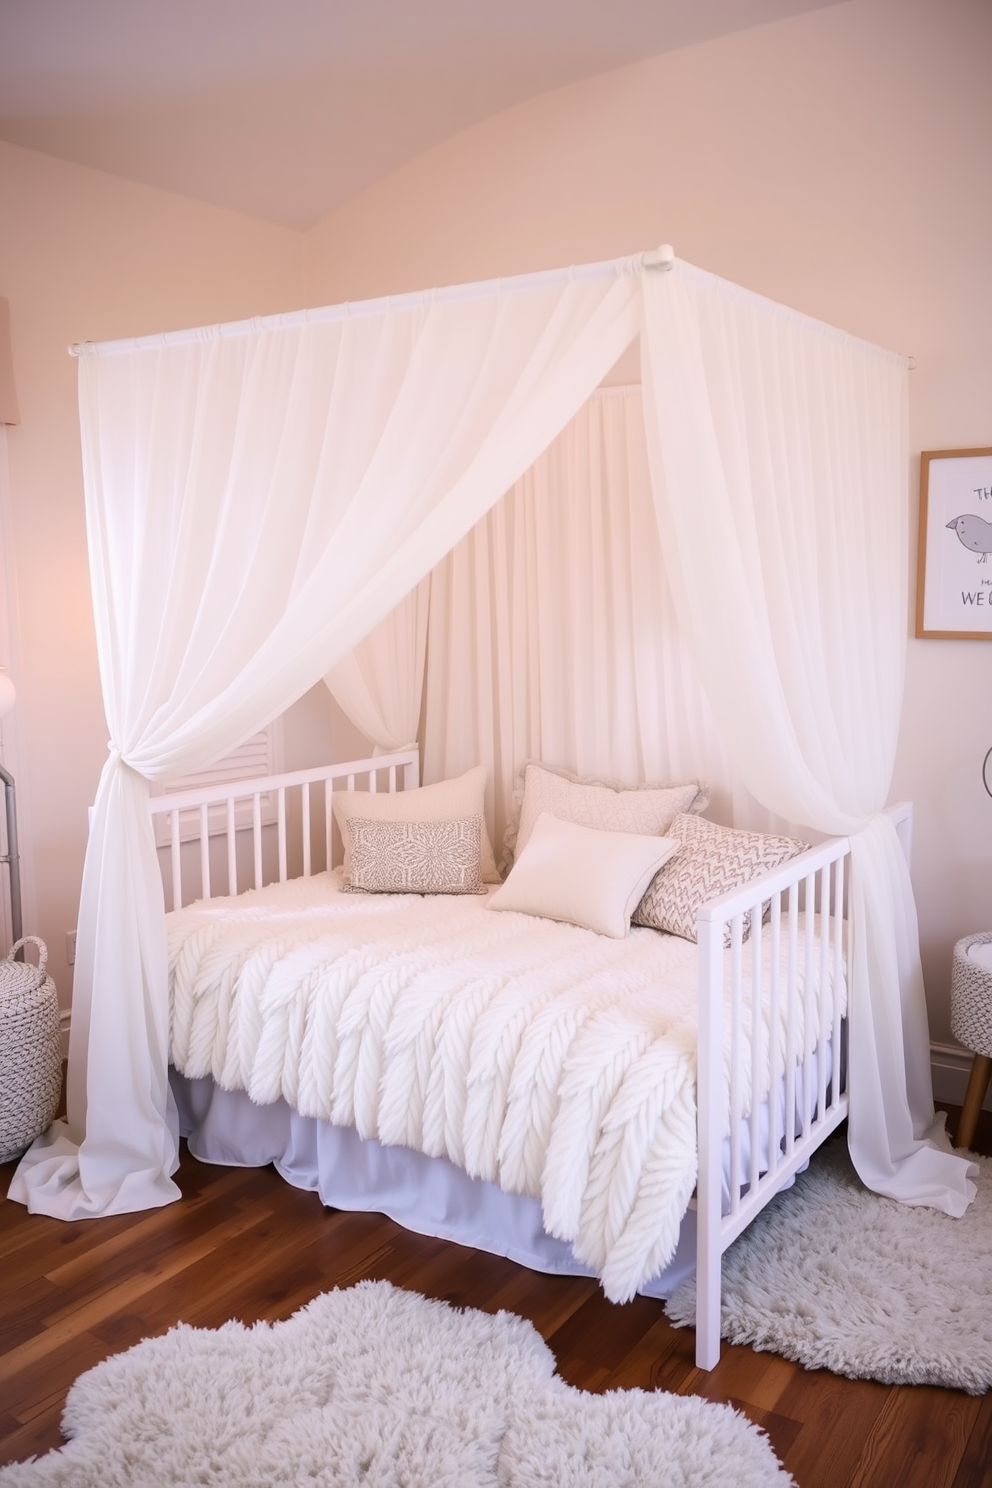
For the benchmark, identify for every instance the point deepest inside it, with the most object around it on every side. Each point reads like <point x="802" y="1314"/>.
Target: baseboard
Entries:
<point x="950" y="1066"/>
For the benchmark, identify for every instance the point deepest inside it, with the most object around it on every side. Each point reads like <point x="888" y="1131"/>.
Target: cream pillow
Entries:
<point x="647" y="810"/>
<point x="433" y="857"/>
<point x="448" y="800"/>
<point x="581" y="875"/>
<point x="709" y="860"/>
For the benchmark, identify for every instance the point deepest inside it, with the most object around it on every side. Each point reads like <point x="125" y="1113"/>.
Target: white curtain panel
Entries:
<point x="553" y="635"/>
<point x="257" y="499"/>
<point x="380" y="683"/>
<point x="778" y="463"/>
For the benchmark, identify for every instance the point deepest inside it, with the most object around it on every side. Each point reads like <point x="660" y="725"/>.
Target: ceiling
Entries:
<point x="286" y="108"/>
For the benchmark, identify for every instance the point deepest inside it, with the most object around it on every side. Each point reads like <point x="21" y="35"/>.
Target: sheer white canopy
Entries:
<point x="260" y="496"/>
<point x="778" y="454"/>
<point x="380" y="684"/>
<point x="552" y="632"/>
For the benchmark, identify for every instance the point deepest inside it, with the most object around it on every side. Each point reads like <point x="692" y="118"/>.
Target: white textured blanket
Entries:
<point x="547" y="1059"/>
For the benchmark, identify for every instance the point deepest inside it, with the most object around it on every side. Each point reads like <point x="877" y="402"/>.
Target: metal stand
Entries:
<point x="12" y="860"/>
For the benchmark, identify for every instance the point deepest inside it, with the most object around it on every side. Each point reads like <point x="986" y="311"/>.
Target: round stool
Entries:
<point x="971" y="1024"/>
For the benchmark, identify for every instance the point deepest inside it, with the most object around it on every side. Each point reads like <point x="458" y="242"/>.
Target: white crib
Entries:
<point x="209" y="832"/>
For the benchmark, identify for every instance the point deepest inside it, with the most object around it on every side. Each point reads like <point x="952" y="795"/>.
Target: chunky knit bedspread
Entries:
<point x="541" y="1057"/>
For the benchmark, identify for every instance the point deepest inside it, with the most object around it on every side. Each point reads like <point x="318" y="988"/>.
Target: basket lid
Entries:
<point x="21" y="976"/>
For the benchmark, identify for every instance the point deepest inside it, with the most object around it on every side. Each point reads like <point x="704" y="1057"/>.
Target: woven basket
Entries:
<point x="30" y="1051"/>
<point x="971" y="997"/>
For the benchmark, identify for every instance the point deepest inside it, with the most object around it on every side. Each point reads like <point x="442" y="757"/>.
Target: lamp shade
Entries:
<point x="8" y="693"/>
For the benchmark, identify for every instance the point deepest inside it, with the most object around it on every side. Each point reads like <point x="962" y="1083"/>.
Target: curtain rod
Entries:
<point x="655" y="258"/>
<point x="662" y="258"/>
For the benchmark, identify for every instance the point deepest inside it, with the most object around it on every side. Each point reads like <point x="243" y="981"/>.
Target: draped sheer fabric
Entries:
<point x="553" y="636"/>
<point x="380" y="684"/>
<point x="778" y="466"/>
<point x="258" y="500"/>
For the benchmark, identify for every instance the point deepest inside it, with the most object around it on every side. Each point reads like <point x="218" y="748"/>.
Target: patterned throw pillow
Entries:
<point x="646" y="810"/>
<point x="447" y="800"/>
<point x="711" y="860"/>
<point x="429" y="857"/>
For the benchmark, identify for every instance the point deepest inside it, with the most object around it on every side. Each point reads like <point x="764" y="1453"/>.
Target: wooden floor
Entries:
<point x="243" y="1244"/>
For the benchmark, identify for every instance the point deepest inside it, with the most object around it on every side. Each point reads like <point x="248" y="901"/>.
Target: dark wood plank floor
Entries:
<point x="244" y="1244"/>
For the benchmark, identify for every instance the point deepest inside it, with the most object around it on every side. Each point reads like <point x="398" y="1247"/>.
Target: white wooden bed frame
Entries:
<point x="816" y="878"/>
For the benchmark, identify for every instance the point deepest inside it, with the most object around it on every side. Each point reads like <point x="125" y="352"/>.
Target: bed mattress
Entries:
<point x="544" y="1059"/>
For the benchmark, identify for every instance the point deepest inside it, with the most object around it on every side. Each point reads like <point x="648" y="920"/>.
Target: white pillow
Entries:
<point x="581" y="875"/>
<point x="448" y="800"/>
<point x="648" y="810"/>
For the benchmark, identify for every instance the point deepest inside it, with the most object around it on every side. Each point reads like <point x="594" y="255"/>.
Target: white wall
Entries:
<point x="86" y="256"/>
<point x="838" y="162"/>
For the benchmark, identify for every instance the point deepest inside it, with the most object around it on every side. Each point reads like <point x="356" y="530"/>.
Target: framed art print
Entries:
<point x="954" y="589"/>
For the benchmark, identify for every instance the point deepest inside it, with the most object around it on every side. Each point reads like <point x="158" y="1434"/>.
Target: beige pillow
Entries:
<point x="710" y="860"/>
<point x="583" y="876"/>
<point x="448" y="800"/>
<point x="647" y="809"/>
<point x="432" y="857"/>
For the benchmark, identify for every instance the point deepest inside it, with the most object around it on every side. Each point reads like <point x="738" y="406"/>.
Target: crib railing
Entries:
<point x="229" y="818"/>
<point x="774" y="1100"/>
<point x="779" y="1103"/>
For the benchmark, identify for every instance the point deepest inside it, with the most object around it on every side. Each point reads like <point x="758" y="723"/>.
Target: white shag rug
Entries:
<point x="839" y="1278"/>
<point x="382" y="1388"/>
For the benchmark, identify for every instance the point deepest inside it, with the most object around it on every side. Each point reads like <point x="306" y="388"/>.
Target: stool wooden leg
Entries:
<point x="978" y="1083"/>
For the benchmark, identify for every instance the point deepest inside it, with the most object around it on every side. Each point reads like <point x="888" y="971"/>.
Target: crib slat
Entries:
<point x="177" y="866"/>
<point x="204" y="851"/>
<point x="710" y="1119"/>
<point x="822" y="1034"/>
<point x="305" y="809"/>
<point x="757" y="1029"/>
<point x="791" y="1018"/>
<point x="329" y="821"/>
<point x="838" y="944"/>
<point x="256" y="836"/>
<point x="232" y="849"/>
<point x="736" y="1094"/>
<point x="808" y="1020"/>
<point x="774" y="1047"/>
<point x="281" y="821"/>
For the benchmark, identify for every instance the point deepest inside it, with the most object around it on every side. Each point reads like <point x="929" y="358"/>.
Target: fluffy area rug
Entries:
<point x="382" y="1388"/>
<point x="838" y="1278"/>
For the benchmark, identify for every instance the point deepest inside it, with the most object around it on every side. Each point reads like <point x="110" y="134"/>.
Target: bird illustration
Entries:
<point x="975" y="533"/>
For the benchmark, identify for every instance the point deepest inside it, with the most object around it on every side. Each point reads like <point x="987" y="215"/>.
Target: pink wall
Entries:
<point x="838" y="162"/>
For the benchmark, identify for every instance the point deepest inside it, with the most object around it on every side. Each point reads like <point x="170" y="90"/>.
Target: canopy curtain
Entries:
<point x="258" y="497"/>
<point x="552" y="633"/>
<point x="778" y="463"/>
<point x="380" y="684"/>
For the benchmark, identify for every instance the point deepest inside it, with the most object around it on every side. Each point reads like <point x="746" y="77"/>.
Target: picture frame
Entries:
<point x="954" y="573"/>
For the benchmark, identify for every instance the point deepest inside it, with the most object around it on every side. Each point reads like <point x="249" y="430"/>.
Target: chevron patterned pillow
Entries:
<point x="419" y="857"/>
<point x="711" y="860"/>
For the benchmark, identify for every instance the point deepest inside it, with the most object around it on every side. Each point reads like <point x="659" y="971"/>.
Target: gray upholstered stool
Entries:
<point x="971" y="1024"/>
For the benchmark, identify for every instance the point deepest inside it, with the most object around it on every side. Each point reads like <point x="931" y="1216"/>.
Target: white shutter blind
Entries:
<point x="258" y="756"/>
